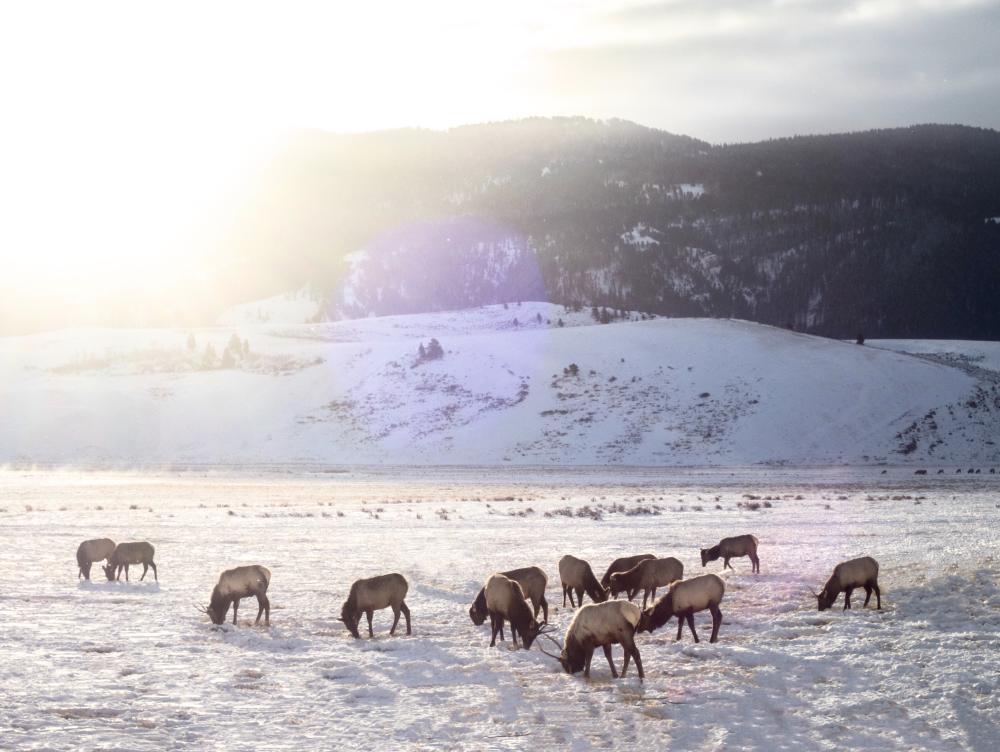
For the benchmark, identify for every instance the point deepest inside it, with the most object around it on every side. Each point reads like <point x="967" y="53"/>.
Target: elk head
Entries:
<point x="477" y="615"/>
<point x="351" y="618"/>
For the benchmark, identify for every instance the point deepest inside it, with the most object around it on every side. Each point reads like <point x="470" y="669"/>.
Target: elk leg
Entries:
<point x="690" y="621"/>
<point x="493" y="629"/>
<point x="513" y="633"/>
<point x="572" y="603"/>
<point x="236" y="606"/>
<point x="607" y="654"/>
<point x="726" y="565"/>
<point x="564" y="595"/>
<point x="261" y="600"/>
<point x="579" y="596"/>
<point x="155" y="576"/>
<point x="756" y="563"/>
<point x="638" y="662"/>
<point x="586" y="665"/>
<point x="680" y="625"/>
<point x="126" y="573"/>
<point x="545" y="610"/>
<point x="847" y="598"/>
<point x="628" y="643"/>
<point x="395" y="620"/>
<point x="868" y="594"/>
<point x="369" y="613"/>
<point x="406" y="612"/>
<point x="145" y="568"/>
<point x="716" y="622"/>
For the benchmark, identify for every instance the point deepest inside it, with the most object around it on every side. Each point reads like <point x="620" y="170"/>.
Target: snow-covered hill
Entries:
<point x="643" y="392"/>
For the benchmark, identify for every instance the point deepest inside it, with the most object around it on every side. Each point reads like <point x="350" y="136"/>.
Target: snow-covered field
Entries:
<point x="135" y="666"/>
<point x="528" y="384"/>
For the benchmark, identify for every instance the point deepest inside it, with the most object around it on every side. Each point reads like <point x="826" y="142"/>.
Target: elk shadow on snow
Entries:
<point x="119" y="587"/>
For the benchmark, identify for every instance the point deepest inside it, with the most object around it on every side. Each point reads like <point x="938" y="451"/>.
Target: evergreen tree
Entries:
<point x="208" y="358"/>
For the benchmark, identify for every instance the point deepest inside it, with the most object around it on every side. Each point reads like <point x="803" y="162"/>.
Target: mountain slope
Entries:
<point x="882" y="232"/>
<point x="644" y="392"/>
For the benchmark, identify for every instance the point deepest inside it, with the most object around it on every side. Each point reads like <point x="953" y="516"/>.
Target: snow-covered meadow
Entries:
<point x="531" y="384"/>
<point x="135" y="666"/>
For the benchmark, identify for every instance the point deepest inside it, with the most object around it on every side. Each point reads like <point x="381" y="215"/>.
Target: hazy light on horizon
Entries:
<point x="126" y="124"/>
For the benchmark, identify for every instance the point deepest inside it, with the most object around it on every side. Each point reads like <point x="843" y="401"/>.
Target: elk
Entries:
<point x="601" y="625"/>
<point x="234" y="584"/>
<point x="90" y="551"/>
<point x="623" y="564"/>
<point x="848" y="575"/>
<point x="505" y="600"/>
<point x="374" y="594"/>
<point x="732" y="548"/>
<point x="683" y="600"/>
<point x="532" y="581"/>
<point x="577" y="575"/>
<point x="126" y="554"/>
<point x="647" y="575"/>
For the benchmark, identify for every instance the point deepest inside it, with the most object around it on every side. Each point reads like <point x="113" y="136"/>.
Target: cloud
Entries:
<point x="758" y="68"/>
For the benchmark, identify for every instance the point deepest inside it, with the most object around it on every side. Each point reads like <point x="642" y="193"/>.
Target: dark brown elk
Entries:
<point x="601" y="625"/>
<point x="532" y="581"/>
<point x="732" y="548"/>
<point x="848" y="575"/>
<point x="683" y="600"/>
<point x="505" y="600"/>
<point x="238" y="583"/>
<point x="126" y="554"/>
<point x="374" y="594"/>
<point x="647" y="575"/>
<point x="90" y="551"/>
<point x="577" y="576"/>
<point x="623" y="564"/>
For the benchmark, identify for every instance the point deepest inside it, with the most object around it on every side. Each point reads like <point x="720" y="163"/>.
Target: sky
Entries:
<point x="120" y="116"/>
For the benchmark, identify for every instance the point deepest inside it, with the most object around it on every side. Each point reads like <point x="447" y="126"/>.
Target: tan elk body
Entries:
<point x="601" y="625"/>
<point x="623" y="564"/>
<point x="90" y="551"/>
<point x="532" y="581"/>
<point x="373" y="594"/>
<point x="647" y="575"/>
<point x="235" y="584"/>
<point x="126" y="554"/>
<point x="684" y="599"/>
<point x="505" y="600"/>
<point x="577" y="576"/>
<point x="862" y="572"/>
<point x="733" y="548"/>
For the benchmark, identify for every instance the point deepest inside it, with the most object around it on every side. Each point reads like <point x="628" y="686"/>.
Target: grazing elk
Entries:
<point x="576" y="575"/>
<point x="234" y="584"/>
<point x="623" y="564"/>
<point x="732" y="548"/>
<point x="90" y="551"/>
<point x="848" y="575"/>
<point x="601" y="625"/>
<point x="683" y="600"/>
<point x="374" y="594"/>
<point x="532" y="581"/>
<point x="647" y="575"/>
<point x="505" y="600"/>
<point x="126" y="554"/>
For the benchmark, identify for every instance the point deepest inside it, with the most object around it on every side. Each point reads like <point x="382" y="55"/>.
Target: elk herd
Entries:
<point x="517" y="596"/>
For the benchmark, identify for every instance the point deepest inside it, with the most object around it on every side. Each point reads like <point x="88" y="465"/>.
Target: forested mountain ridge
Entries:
<point x="886" y="232"/>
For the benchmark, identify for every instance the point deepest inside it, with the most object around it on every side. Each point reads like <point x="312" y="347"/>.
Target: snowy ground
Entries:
<point x="134" y="666"/>
<point x="513" y="388"/>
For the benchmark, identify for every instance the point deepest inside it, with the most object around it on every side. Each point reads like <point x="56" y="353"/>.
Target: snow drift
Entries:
<point x="522" y="384"/>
